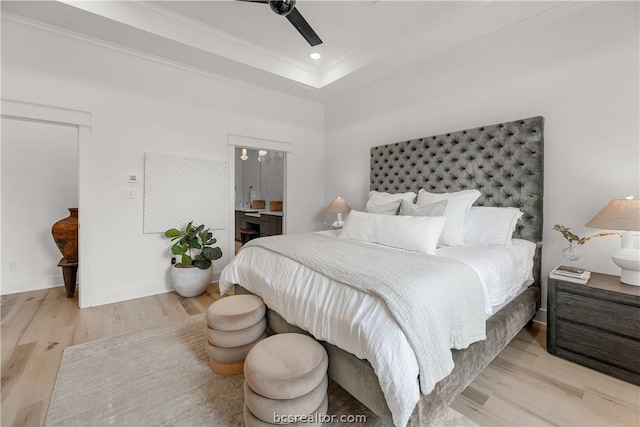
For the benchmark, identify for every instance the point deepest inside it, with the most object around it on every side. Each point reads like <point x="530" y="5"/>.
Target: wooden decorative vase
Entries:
<point x="65" y="234"/>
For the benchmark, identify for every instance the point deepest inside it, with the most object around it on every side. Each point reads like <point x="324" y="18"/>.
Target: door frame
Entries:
<point x="81" y="121"/>
<point x="241" y="141"/>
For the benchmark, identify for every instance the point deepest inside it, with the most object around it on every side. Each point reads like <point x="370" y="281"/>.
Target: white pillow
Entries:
<point x="434" y="209"/>
<point x="458" y="205"/>
<point x="381" y="198"/>
<point x="413" y="233"/>
<point x="390" y="208"/>
<point x="490" y="226"/>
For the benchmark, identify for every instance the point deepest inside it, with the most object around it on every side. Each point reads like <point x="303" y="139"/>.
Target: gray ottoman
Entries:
<point x="234" y="325"/>
<point x="285" y="380"/>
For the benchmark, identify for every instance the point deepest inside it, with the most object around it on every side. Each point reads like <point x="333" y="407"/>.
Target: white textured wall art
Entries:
<point x="180" y="189"/>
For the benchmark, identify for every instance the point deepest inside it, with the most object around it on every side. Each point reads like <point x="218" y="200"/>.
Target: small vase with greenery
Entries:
<point x="572" y="253"/>
<point x="193" y="273"/>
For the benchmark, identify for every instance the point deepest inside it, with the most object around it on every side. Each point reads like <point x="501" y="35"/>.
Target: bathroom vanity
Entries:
<point x="264" y="222"/>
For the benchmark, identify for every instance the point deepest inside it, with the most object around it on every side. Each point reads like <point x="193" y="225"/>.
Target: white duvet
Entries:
<point x="360" y="323"/>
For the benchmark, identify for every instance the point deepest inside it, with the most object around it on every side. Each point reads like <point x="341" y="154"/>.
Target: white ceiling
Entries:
<point x="363" y="40"/>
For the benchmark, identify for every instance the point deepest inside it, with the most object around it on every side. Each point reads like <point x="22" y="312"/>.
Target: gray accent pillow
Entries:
<point x="432" y="209"/>
<point x="390" y="208"/>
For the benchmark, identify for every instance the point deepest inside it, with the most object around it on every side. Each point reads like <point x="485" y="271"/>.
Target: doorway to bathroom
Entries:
<point x="259" y="188"/>
<point x="258" y="194"/>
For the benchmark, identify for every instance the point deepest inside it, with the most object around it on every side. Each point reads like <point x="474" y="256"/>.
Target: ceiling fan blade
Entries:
<point x="303" y="27"/>
<point x="256" y="1"/>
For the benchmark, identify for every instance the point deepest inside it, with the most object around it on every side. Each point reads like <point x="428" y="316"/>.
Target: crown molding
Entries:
<point x="163" y="23"/>
<point x="560" y="9"/>
<point x="382" y="49"/>
<point x="422" y="42"/>
<point x="214" y="32"/>
<point x="63" y="32"/>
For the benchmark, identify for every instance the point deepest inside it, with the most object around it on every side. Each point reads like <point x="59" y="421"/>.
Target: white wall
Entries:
<point x="580" y="72"/>
<point x="39" y="183"/>
<point x="139" y="106"/>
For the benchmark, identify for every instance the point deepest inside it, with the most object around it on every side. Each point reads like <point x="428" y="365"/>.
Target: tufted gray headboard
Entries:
<point x="504" y="161"/>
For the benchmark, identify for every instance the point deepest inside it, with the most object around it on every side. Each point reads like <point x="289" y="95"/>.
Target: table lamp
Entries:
<point x="338" y="206"/>
<point x="624" y="215"/>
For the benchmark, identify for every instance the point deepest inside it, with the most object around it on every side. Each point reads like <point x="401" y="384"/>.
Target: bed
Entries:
<point x="505" y="163"/>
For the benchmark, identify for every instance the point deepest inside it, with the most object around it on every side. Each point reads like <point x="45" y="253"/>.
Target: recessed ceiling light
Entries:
<point x="315" y="55"/>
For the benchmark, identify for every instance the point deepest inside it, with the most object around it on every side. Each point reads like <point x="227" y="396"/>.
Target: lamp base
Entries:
<point x="630" y="277"/>
<point x="338" y="223"/>
<point x="628" y="259"/>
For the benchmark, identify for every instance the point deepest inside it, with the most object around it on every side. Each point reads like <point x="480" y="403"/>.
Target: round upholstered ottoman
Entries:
<point x="285" y="381"/>
<point x="234" y="325"/>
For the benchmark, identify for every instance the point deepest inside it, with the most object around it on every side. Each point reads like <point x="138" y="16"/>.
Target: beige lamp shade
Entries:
<point x="618" y="214"/>
<point x="338" y="205"/>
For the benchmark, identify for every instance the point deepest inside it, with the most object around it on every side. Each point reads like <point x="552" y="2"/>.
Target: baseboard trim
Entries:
<point x="541" y="316"/>
<point x="35" y="284"/>
<point x="111" y="296"/>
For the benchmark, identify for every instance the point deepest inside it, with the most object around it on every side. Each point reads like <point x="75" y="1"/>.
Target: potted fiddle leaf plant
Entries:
<point x="193" y="272"/>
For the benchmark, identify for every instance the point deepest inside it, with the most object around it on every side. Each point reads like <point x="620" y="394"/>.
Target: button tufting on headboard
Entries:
<point x="503" y="161"/>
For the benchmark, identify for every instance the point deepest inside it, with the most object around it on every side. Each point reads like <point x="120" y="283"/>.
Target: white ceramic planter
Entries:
<point x="191" y="282"/>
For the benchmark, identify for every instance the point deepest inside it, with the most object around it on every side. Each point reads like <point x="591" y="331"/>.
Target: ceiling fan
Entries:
<point x="288" y="8"/>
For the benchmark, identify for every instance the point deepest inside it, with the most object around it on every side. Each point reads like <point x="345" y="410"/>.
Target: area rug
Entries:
<point x="160" y="377"/>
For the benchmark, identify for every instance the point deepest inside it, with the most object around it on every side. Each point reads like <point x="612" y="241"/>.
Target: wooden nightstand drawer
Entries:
<point x="599" y="313"/>
<point x="616" y="350"/>
<point x="596" y="325"/>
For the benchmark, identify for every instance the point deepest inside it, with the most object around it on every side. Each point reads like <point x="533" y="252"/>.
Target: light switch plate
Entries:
<point x="128" y="193"/>
<point x="132" y="177"/>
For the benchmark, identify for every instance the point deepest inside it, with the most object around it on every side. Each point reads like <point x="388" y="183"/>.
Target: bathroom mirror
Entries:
<point x="259" y="175"/>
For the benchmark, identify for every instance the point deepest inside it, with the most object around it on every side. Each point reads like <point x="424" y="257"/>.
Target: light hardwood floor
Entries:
<point x="523" y="386"/>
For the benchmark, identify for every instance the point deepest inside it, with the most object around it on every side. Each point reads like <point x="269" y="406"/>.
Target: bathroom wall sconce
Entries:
<point x="244" y="154"/>
<point x="261" y="154"/>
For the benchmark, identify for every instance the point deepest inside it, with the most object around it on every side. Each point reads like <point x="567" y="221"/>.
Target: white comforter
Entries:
<point x="360" y="323"/>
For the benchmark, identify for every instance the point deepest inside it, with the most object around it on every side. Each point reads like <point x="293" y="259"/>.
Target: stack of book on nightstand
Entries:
<point x="571" y="274"/>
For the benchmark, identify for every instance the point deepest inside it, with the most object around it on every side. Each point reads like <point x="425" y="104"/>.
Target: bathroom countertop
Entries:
<point x="257" y="213"/>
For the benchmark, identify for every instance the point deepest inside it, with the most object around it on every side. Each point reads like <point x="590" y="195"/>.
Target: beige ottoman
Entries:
<point x="285" y="379"/>
<point x="234" y="325"/>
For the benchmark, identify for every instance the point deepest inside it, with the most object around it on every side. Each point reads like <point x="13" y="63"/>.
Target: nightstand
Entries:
<point x="596" y="325"/>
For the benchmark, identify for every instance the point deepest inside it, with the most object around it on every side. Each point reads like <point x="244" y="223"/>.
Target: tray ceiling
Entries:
<point x="363" y="40"/>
